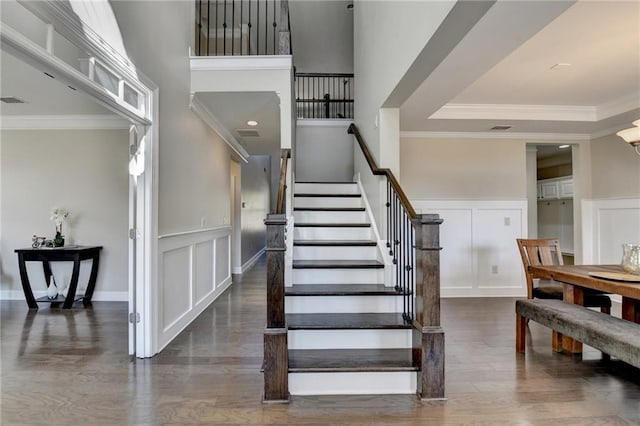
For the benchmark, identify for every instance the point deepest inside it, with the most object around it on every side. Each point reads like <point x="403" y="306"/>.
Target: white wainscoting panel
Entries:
<point x="194" y="270"/>
<point x="606" y="225"/>
<point x="479" y="254"/>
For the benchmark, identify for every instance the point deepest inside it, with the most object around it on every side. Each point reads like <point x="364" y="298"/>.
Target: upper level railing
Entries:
<point x="324" y="96"/>
<point x="413" y="241"/>
<point x="242" y="27"/>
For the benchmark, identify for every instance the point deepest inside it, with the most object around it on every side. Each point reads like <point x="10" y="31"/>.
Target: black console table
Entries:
<point x="74" y="254"/>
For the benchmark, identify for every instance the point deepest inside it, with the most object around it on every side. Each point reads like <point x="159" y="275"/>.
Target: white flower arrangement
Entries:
<point x="58" y="216"/>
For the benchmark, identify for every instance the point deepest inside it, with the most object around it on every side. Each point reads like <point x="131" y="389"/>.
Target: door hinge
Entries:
<point x="134" y="318"/>
<point x="132" y="233"/>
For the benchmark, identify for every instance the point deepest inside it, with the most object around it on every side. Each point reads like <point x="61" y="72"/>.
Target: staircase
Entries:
<point x="345" y="330"/>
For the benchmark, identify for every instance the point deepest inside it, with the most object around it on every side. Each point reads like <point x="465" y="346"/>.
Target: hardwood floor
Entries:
<point x="71" y="368"/>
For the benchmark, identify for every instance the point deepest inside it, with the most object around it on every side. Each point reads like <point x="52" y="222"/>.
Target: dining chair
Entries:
<point x="547" y="252"/>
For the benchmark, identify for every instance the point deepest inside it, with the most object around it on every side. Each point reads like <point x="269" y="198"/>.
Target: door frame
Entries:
<point x="143" y="195"/>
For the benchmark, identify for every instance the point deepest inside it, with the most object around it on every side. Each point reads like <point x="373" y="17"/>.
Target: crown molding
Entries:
<point x="62" y="122"/>
<point x="495" y="135"/>
<point x="516" y="112"/>
<point x="205" y="115"/>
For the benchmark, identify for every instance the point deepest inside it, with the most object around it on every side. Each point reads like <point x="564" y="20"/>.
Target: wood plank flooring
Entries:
<point x="71" y="368"/>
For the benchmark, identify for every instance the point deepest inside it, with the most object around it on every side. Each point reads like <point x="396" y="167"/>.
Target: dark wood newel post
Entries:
<point x="276" y="358"/>
<point x="428" y="335"/>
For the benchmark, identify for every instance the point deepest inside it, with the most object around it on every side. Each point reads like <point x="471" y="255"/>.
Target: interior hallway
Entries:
<point x="71" y="368"/>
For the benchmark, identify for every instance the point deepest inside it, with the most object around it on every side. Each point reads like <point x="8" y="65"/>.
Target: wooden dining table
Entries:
<point x="577" y="278"/>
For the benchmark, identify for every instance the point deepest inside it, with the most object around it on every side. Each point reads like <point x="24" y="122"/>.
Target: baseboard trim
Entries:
<point x="249" y="263"/>
<point x="98" y="296"/>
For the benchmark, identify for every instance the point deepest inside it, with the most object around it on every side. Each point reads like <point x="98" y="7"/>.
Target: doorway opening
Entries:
<point x="550" y="174"/>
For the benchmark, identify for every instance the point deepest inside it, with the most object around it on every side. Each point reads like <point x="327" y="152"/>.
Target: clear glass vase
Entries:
<point x="631" y="258"/>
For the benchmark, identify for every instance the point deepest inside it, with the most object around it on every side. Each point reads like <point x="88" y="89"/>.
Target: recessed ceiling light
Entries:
<point x="252" y="123"/>
<point x="564" y="146"/>
<point x="560" y="65"/>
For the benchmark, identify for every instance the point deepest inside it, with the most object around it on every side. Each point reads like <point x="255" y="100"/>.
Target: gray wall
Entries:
<point x="82" y="171"/>
<point x="255" y="204"/>
<point x="615" y="169"/>
<point x="194" y="179"/>
<point x="463" y="169"/>
<point x="324" y="153"/>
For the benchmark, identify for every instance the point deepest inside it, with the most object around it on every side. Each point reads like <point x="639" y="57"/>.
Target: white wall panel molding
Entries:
<point x="606" y="225"/>
<point x="195" y="268"/>
<point x="479" y="256"/>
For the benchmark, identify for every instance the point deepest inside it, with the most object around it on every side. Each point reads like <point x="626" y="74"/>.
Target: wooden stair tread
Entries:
<point x="332" y="225"/>
<point x="327" y="195"/>
<point x="342" y="321"/>
<point x="337" y="264"/>
<point x="329" y="209"/>
<point x="350" y="360"/>
<point x="341" y="290"/>
<point x="338" y="243"/>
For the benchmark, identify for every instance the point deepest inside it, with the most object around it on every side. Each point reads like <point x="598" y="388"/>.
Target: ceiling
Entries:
<point x="233" y="110"/>
<point x="598" y="92"/>
<point x="43" y="95"/>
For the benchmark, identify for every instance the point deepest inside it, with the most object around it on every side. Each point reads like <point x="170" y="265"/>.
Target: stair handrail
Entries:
<point x="353" y="129"/>
<point x="413" y="241"/>
<point x="285" y="154"/>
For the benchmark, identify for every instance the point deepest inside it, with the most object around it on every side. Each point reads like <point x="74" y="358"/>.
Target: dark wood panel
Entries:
<point x="332" y="225"/>
<point x="327" y="195"/>
<point x="342" y="243"/>
<point x="337" y="264"/>
<point x="329" y="209"/>
<point x="341" y="290"/>
<point x="353" y="360"/>
<point x="345" y="321"/>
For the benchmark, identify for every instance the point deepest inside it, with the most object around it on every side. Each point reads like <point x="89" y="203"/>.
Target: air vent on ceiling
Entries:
<point x="247" y="133"/>
<point x="500" y="127"/>
<point x="12" y="100"/>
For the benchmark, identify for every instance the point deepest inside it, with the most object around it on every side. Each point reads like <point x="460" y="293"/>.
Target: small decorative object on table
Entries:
<point x="631" y="258"/>
<point x="58" y="216"/>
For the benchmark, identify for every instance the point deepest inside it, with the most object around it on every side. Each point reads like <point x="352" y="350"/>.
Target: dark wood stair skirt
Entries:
<point x="350" y="360"/>
<point x="346" y="321"/>
<point x="337" y="264"/>
<point x="341" y="290"/>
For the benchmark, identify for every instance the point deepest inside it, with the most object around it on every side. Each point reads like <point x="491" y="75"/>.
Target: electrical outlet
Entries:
<point x="224" y="220"/>
<point x="203" y="222"/>
<point x="494" y="269"/>
<point x="507" y="221"/>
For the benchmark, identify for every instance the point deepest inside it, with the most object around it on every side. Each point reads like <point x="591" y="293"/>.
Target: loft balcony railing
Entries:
<point x="324" y="96"/>
<point x="242" y="28"/>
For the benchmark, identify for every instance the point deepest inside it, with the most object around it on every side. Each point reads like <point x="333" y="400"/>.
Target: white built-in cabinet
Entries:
<point x="555" y="189"/>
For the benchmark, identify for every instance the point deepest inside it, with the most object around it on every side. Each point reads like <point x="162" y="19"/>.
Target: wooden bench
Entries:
<point x="611" y="335"/>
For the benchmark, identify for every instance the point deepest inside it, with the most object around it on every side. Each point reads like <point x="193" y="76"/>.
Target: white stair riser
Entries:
<point x="338" y="276"/>
<point x="326" y="188"/>
<point x="352" y="383"/>
<point x="330" y="217"/>
<point x="332" y="234"/>
<point x="350" y="339"/>
<point x="327" y="202"/>
<point x="342" y="304"/>
<point x="335" y="252"/>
